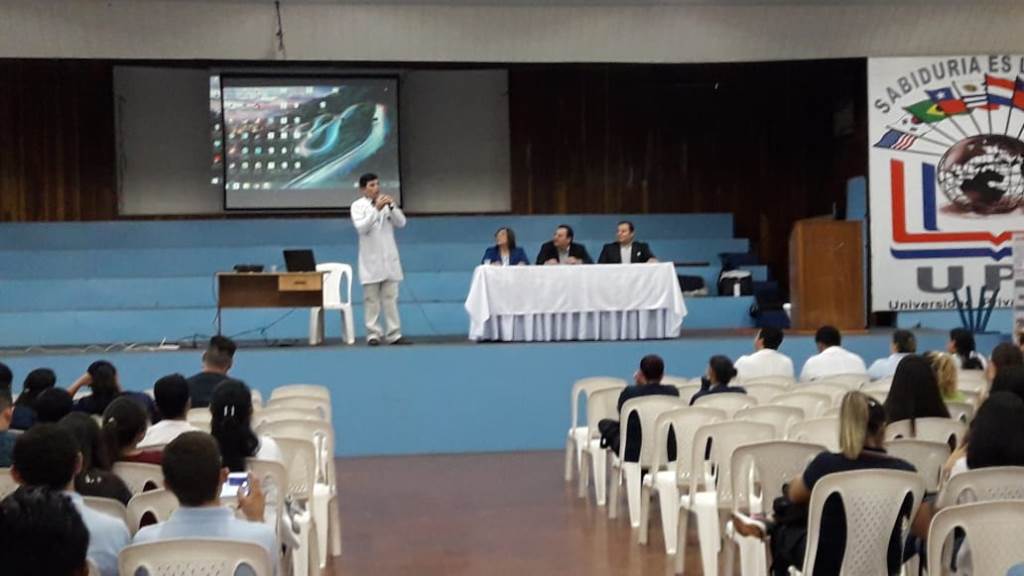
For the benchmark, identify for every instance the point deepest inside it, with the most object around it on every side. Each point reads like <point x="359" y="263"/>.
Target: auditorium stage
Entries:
<point x="449" y="396"/>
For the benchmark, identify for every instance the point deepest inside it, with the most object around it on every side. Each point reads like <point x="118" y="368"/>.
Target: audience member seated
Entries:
<point x="625" y="249"/>
<point x="996" y="436"/>
<point x="1003" y="355"/>
<point x="193" y="471"/>
<point x="861" y="439"/>
<point x="505" y="252"/>
<point x="231" y="426"/>
<point x="6" y="437"/>
<point x="124" y="426"/>
<point x="946" y="374"/>
<point x="217" y="361"/>
<point x="961" y="346"/>
<point x="1009" y="379"/>
<point x="903" y="343"/>
<point x="648" y="383"/>
<point x="831" y="359"/>
<point x="766" y="360"/>
<point x="101" y="377"/>
<point x="96" y="477"/>
<point x="6" y="376"/>
<point x="52" y="405"/>
<point x="173" y="402"/>
<point x="42" y="533"/>
<point x="716" y="380"/>
<point x="35" y="383"/>
<point x="914" y="393"/>
<point x="47" y="456"/>
<point x="562" y="250"/>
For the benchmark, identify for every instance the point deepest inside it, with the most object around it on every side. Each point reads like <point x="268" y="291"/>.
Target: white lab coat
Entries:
<point x="378" y="253"/>
<point x="764" y="362"/>
<point x="832" y="361"/>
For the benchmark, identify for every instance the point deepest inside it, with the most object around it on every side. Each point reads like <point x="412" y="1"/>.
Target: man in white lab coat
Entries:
<point x="375" y="217"/>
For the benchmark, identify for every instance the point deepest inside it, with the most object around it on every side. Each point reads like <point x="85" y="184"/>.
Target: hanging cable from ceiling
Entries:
<point x="282" y="52"/>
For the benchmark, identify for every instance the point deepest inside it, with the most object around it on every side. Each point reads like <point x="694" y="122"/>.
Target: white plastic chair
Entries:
<point x="336" y="274"/>
<point x="257" y="399"/>
<point x="944" y="430"/>
<point x="318" y="404"/>
<point x="108" y="506"/>
<point x="832" y="412"/>
<point x="821" y="431"/>
<point x="764" y="392"/>
<point x="880" y="385"/>
<point x="273" y="478"/>
<point x="731" y="402"/>
<point x="833" y="390"/>
<point x="971" y="380"/>
<point x="578" y="436"/>
<point x="282" y="413"/>
<point x="647" y="409"/>
<point x="992" y="530"/>
<point x="710" y="492"/>
<point x="7" y="483"/>
<point x="677" y="381"/>
<point x="812" y="403"/>
<point x="927" y="457"/>
<point x="759" y="472"/>
<point x="962" y="411"/>
<point x="780" y="417"/>
<point x="160" y="503"/>
<point x="873" y="500"/>
<point x="139" y="477"/>
<point x="194" y="556"/>
<point x="684" y="423"/>
<point x="686" y="392"/>
<point x="300" y="459"/>
<point x="200" y="418"/>
<point x="325" y="490"/>
<point x="879" y="395"/>
<point x="783" y="381"/>
<point x="301" y="390"/>
<point x="848" y="381"/>
<point x="981" y="485"/>
<point x="601" y="405"/>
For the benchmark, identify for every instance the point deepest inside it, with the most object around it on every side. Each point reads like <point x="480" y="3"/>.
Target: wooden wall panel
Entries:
<point x="57" y="159"/>
<point x="769" y="142"/>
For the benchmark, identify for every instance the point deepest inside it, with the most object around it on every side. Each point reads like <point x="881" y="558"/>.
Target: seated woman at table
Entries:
<point x="505" y="252"/>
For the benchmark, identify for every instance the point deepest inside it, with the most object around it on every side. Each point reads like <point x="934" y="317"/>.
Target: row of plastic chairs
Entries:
<point x="289" y="402"/>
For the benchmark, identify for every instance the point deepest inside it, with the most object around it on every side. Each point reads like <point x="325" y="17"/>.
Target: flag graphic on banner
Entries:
<point x="973" y="96"/>
<point x="1000" y="90"/>
<point x="927" y="111"/>
<point x="947" y="101"/>
<point x="896" y="140"/>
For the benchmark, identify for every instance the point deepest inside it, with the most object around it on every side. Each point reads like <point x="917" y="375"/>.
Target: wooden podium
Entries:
<point x="269" y="290"/>
<point x="826" y="274"/>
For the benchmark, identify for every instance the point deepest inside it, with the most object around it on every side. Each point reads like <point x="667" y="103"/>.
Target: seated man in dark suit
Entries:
<point x="626" y="250"/>
<point x="562" y="250"/>
<point x="648" y="382"/>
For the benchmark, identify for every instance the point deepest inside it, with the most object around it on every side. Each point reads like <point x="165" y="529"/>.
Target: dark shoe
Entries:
<point x="373" y="341"/>
<point x="401" y="342"/>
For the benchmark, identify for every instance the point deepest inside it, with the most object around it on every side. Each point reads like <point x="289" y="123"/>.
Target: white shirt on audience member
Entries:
<point x="764" y="362"/>
<point x="165" y="431"/>
<point x="107" y="535"/>
<point x="832" y="361"/>
<point x="885" y="367"/>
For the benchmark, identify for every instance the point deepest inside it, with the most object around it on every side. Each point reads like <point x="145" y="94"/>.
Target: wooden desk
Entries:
<point x="269" y="290"/>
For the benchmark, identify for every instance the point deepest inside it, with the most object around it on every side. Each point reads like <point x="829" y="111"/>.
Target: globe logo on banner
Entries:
<point x="946" y="177"/>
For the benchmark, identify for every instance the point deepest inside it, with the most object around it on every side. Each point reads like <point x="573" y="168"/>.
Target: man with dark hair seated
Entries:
<point x="832" y="359"/>
<point x="217" y="361"/>
<point x="648" y="383"/>
<point x="42" y="532"/>
<point x="47" y="456"/>
<point x="52" y="405"/>
<point x="766" y="359"/>
<point x="194" y="473"/>
<point x="6" y="376"/>
<point x="172" y="400"/>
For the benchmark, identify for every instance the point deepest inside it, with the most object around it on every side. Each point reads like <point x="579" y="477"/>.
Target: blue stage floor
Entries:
<point x="450" y="397"/>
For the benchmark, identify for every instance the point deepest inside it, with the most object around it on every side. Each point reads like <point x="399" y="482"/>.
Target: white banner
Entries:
<point x="946" y="184"/>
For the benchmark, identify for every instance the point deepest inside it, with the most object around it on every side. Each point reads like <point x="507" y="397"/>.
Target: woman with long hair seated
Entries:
<point x="36" y="382"/>
<point x="96" y="478"/>
<point x="861" y="440"/>
<point x="103" y="380"/>
<point x="231" y="425"/>
<point x="716" y="379"/>
<point x="946" y="376"/>
<point x="914" y="393"/>
<point x="124" y="425"/>
<point x="505" y="252"/>
<point x="962" y="347"/>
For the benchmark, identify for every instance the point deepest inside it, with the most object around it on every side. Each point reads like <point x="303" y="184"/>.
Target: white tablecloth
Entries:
<point x="585" y="302"/>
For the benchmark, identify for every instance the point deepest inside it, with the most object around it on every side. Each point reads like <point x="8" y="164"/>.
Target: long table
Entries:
<point x="585" y="302"/>
<point x="268" y="290"/>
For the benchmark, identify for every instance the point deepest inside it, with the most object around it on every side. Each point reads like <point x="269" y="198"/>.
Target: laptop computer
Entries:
<point x="299" y="261"/>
